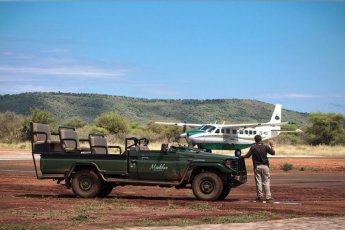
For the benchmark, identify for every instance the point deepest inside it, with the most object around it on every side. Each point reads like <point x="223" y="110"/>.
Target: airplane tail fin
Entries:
<point x="277" y="114"/>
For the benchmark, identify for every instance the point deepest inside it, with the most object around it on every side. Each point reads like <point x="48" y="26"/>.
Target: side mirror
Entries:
<point x="238" y="153"/>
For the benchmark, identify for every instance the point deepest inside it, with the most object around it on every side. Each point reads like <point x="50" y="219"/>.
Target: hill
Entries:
<point x="88" y="106"/>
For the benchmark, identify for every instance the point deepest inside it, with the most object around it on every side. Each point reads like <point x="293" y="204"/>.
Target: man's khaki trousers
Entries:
<point x="262" y="181"/>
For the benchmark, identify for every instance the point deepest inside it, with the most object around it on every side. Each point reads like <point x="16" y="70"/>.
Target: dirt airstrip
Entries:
<point x="315" y="187"/>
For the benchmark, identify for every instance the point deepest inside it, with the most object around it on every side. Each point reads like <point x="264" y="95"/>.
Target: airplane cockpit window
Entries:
<point x="207" y="128"/>
<point x="217" y="131"/>
<point x="210" y="129"/>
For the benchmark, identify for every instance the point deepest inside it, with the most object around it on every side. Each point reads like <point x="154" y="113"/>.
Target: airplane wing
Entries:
<point x="253" y="125"/>
<point x="289" y="131"/>
<point x="179" y="124"/>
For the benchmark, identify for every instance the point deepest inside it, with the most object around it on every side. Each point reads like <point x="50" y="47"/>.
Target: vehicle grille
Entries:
<point x="235" y="165"/>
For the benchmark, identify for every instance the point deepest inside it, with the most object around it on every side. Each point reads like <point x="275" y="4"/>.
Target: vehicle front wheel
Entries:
<point x="207" y="186"/>
<point x="105" y="190"/>
<point x="225" y="192"/>
<point x="86" y="183"/>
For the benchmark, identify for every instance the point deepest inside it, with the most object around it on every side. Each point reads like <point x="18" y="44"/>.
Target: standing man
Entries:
<point x="258" y="152"/>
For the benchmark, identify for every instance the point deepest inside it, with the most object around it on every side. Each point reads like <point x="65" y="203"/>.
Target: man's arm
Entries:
<point x="271" y="149"/>
<point x="249" y="154"/>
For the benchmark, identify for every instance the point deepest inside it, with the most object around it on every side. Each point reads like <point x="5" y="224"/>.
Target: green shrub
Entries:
<point x="10" y="127"/>
<point x="112" y="122"/>
<point x="75" y="122"/>
<point x="286" y="167"/>
<point x="38" y="116"/>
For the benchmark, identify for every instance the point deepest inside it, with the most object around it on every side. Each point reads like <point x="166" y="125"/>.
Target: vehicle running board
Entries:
<point x="141" y="182"/>
<point x="51" y="176"/>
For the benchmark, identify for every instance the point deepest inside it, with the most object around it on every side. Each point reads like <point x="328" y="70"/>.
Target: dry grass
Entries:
<point x="286" y="150"/>
<point x="319" y="150"/>
<point x="303" y="150"/>
<point x="16" y="146"/>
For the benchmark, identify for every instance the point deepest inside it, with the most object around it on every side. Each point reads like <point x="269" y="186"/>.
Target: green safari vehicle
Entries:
<point x="93" y="172"/>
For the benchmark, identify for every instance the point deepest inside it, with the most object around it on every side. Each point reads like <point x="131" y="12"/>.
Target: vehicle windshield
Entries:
<point x="207" y="128"/>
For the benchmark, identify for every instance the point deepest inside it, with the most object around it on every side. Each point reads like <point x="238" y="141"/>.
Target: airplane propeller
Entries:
<point x="184" y="127"/>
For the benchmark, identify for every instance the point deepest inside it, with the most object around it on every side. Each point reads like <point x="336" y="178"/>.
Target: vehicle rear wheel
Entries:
<point x="225" y="192"/>
<point x="105" y="190"/>
<point x="207" y="186"/>
<point x="86" y="183"/>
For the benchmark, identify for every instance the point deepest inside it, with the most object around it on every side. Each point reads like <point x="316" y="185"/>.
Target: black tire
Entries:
<point x="207" y="186"/>
<point x="86" y="183"/>
<point x="105" y="190"/>
<point x="225" y="192"/>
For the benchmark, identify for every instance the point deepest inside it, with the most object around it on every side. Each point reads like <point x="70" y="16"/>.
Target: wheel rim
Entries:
<point x="206" y="186"/>
<point x="85" y="183"/>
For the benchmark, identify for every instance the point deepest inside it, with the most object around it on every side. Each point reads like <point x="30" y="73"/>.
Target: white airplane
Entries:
<point x="233" y="136"/>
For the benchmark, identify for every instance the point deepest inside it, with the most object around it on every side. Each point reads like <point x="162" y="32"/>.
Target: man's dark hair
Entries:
<point x="257" y="138"/>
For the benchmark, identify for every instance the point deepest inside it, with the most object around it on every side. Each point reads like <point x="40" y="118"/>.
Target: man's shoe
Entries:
<point x="270" y="200"/>
<point x="260" y="199"/>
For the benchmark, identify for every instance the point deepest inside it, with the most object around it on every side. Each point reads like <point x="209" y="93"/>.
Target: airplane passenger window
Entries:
<point x="222" y="130"/>
<point x="227" y="130"/>
<point x="250" y="132"/>
<point x="217" y="131"/>
<point x="254" y="132"/>
<point x="246" y="131"/>
<point x="241" y="131"/>
<point x="234" y="131"/>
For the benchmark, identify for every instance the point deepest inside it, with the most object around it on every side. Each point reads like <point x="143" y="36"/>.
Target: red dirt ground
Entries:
<point x="42" y="204"/>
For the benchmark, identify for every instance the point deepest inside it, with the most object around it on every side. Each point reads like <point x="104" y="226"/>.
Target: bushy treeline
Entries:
<point x="16" y="128"/>
<point x="321" y="129"/>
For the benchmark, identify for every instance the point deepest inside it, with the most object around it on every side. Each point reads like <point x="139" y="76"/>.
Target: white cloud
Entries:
<point x="302" y="96"/>
<point x="56" y="50"/>
<point x="79" y="71"/>
<point x="14" y="89"/>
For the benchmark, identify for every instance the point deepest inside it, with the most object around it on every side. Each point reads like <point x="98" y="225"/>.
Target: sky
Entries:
<point x="288" y="52"/>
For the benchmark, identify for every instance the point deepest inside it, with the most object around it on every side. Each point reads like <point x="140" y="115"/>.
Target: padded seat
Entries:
<point x="69" y="140"/>
<point x="41" y="139"/>
<point x="98" y="144"/>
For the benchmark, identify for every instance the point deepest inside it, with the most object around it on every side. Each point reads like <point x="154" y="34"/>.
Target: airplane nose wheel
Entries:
<point x="238" y="152"/>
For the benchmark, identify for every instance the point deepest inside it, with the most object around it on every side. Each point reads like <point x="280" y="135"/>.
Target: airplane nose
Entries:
<point x="183" y="135"/>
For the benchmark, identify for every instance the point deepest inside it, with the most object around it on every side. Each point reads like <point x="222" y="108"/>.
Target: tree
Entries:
<point x="37" y="116"/>
<point x="75" y="122"/>
<point x="10" y="128"/>
<point x="326" y="128"/>
<point x="112" y="122"/>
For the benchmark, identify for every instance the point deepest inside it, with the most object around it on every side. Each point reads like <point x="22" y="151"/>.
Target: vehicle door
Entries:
<point x="157" y="165"/>
<point x="132" y="164"/>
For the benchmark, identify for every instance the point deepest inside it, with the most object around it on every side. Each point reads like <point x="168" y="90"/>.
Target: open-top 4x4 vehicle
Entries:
<point x="92" y="172"/>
